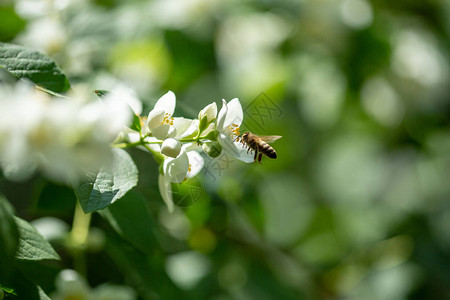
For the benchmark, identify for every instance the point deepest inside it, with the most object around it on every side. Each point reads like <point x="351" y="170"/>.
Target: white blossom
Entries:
<point x="171" y="147"/>
<point x="175" y="170"/>
<point x="228" y="124"/>
<point x="62" y="138"/>
<point x="160" y="121"/>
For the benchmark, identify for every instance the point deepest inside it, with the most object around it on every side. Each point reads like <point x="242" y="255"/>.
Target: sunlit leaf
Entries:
<point x="109" y="184"/>
<point x="33" y="65"/>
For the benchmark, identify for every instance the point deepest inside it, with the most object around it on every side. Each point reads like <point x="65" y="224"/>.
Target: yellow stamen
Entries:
<point x="168" y="119"/>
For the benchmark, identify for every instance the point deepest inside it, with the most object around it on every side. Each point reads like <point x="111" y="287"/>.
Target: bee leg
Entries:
<point x="259" y="158"/>
<point x="256" y="153"/>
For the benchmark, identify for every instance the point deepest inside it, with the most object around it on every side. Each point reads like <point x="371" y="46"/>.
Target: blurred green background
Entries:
<point x="357" y="204"/>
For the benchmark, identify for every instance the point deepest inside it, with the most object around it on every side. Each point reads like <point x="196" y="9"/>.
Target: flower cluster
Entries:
<point x="176" y="141"/>
<point x="65" y="138"/>
<point x="62" y="138"/>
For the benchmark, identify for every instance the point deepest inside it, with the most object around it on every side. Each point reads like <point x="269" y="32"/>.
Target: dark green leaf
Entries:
<point x="41" y="273"/>
<point x="34" y="65"/>
<point x="10" y="23"/>
<point x="9" y="235"/>
<point x="32" y="245"/>
<point x="147" y="275"/>
<point x="132" y="220"/>
<point x="23" y="288"/>
<point x="136" y="122"/>
<point x="8" y="290"/>
<point x="109" y="184"/>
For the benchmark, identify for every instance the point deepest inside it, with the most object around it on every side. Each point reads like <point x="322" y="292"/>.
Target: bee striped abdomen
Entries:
<point x="267" y="150"/>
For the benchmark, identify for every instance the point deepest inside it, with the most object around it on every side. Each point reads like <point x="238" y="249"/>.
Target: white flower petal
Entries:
<point x="196" y="161"/>
<point x="155" y="118"/>
<point x="164" y="131"/>
<point x="192" y="130"/>
<point x="176" y="168"/>
<point x="128" y="96"/>
<point x="222" y="115"/>
<point x="165" y="189"/>
<point x="185" y="127"/>
<point x="113" y="111"/>
<point x="235" y="148"/>
<point x="133" y="137"/>
<point x="153" y="147"/>
<point x="171" y="147"/>
<point x="191" y="147"/>
<point x="166" y="103"/>
<point x="235" y="115"/>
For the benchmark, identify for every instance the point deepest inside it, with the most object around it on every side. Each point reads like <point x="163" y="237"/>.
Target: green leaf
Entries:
<point x="136" y="123"/>
<point x="9" y="235"/>
<point x="8" y="290"/>
<point x="23" y="288"/>
<point x="109" y="184"/>
<point x="132" y="220"/>
<point x="147" y="275"/>
<point x="203" y="124"/>
<point x="12" y="24"/>
<point x="34" y="65"/>
<point x="32" y="245"/>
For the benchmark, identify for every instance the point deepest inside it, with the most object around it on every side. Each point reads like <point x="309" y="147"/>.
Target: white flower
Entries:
<point x="129" y="96"/>
<point x="160" y="121"/>
<point x="210" y="111"/>
<point x="171" y="147"/>
<point x="60" y="137"/>
<point x="185" y="127"/>
<point x="186" y="165"/>
<point x="70" y="284"/>
<point x="227" y="124"/>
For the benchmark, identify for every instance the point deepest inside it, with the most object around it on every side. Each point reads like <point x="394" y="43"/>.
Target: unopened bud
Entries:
<point x="210" y="112"/>
<point x="213" y="149"/>
<point x="171" y="147"/>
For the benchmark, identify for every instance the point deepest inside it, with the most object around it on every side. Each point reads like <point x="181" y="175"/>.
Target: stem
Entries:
<point x="50" y="92"/>
<point x="78" y="238"/>
<point x="135" y="144"/>
<point x="196" y="139"/>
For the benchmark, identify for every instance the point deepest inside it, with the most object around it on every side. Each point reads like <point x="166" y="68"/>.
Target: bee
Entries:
<point x="260" y="144"/>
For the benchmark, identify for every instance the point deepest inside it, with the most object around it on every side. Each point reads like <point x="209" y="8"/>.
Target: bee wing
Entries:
<point x="270" y="138"/>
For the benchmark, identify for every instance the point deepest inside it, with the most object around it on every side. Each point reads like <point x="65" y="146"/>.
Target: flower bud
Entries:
<point x="171" y="147"/>
<point x="210" y="112"/>
<point x="213" y="149"/>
